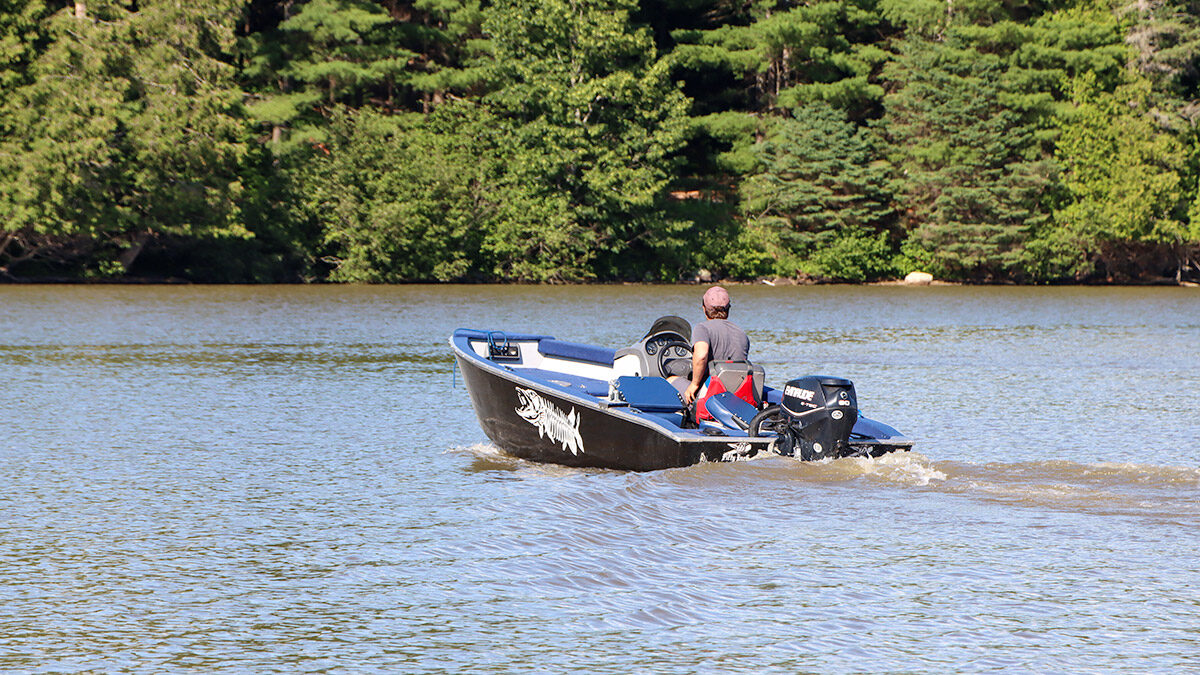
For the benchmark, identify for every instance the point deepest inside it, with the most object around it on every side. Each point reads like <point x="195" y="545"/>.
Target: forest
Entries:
<point x="549" y="141"/>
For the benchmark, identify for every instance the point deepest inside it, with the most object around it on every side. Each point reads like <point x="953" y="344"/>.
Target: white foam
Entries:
<point x="909" y="468"/>
<point x="481" y="450"/>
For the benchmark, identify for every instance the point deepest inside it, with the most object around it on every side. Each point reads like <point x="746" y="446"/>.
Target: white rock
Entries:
<point x="918" y="279"/>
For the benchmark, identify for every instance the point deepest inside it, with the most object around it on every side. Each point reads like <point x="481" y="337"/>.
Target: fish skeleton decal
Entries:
<point x="738" y="451"/>
<point x="550" y="421"/>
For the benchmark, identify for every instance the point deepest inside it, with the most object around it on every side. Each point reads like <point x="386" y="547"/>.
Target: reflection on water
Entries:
<point x="285" y="479"/>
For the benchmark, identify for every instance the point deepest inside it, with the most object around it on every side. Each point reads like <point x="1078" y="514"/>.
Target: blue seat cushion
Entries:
<point x="651" y="394"/>
<point x="730" y="410"/>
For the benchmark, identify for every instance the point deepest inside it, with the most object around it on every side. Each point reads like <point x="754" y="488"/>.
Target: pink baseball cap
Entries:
<point x="716" y="298"/>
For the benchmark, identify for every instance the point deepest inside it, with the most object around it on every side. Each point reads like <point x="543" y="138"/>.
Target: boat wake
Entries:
<point x="1103" y="488"/>
<point x="906" y="468"/>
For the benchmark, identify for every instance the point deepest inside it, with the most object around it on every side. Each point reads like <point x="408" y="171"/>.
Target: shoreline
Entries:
<point x="778" y="282"/>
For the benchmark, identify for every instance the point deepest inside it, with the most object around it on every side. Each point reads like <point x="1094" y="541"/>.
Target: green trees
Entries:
<point x="971" y="126"/>
<point x="818" y="205"/>
<point x="1126" y="205"/>
<point x="1166" y="38"/>
<point x="20" y="30"/>
<point x="128" y="131"/>
<point x="783" y="53"/>
<point x="556" y="173"/>
<point x="566" y="140"/>
<point x="748" y="68"/>
<point x="967" y="169"/>
<point x="591" y="120"/>
<point x="389" y="213"/>
<point x="323" y="52"/>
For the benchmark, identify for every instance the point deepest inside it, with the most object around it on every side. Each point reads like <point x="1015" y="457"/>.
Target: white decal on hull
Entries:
<point x="738" y="451"/>
<point x="550" y="421"/>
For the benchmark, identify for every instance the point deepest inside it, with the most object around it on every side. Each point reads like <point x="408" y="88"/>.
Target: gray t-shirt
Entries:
<point x="726" y="342"/>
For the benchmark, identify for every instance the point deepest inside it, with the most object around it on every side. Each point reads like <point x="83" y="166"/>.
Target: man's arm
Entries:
<point x="699" y="368"/>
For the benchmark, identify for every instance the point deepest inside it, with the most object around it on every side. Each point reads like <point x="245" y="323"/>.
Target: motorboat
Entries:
<point x="549" y="400"/>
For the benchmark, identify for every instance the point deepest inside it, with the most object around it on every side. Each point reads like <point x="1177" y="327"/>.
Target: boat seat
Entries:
<point x="734" y="375"/>
<point x="743" y="378"/>
<point x="650" y="394"/>
<point x="730" y="410"/>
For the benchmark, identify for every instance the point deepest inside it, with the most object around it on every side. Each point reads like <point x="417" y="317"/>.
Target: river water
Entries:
<point x="285" y="479"/>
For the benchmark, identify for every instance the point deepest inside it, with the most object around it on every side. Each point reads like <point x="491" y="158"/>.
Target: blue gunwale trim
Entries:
<point x="547" y="345"/>
<point x="476" y="334"/>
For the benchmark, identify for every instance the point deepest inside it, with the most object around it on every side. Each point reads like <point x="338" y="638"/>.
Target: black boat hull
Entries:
<point x="548" y="400"/>
<point x="539" y="424"/>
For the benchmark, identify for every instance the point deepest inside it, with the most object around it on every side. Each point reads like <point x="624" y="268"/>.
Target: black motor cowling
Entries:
<point x="820" y="412"/>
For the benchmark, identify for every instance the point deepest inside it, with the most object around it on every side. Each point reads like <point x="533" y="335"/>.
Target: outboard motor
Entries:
<point x="817" y="416"/>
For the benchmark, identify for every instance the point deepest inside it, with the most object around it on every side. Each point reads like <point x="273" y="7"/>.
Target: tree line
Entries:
<point x="572" y="140"/>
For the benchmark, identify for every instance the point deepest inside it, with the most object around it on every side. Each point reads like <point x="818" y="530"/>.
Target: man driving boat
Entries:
<point x="717" y="339"/>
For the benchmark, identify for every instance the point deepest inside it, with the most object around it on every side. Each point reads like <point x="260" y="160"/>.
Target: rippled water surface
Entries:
<point x="284" y="479"/>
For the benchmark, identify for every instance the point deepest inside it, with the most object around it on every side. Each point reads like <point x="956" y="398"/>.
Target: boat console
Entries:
<point x="664" y="351"/>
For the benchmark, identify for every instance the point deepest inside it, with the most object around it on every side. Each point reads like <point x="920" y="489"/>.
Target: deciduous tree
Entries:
<point x="128" y="131"/>
<point x="1122" y="174"/>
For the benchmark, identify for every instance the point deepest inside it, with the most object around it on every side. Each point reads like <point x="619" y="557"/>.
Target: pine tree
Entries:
<point x="20" y="31"/>
<point x="969" y="175"/>
<point x="754" y="60"/>
<point x="817" y="204"/>
<point x="1166" y="38"/>
<point x="307" y="59"/>
<point x="788" y="54"/>
<point x="325" y="53"/>
<point x="971" y="126"/>
<point x="447" y="35"/>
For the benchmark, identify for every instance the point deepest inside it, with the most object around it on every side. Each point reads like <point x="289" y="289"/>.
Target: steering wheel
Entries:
<point x="681" y="348"/>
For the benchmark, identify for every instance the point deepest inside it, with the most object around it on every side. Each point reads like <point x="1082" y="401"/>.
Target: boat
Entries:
<point x="548" y="400"/>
